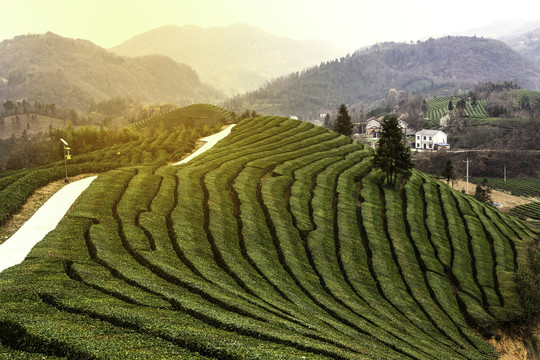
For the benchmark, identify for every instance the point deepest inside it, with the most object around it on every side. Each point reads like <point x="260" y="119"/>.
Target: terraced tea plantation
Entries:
<point x="528" y="187"/>
<point x="279" y="243"/>
<point x="194" y="116"/>
<point x="531" y="210"/>
<point x="438" y="107"/>
<point x="154" y="150"/>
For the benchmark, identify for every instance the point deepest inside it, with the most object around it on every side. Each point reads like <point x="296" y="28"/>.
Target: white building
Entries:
<point x="431" y="139"/>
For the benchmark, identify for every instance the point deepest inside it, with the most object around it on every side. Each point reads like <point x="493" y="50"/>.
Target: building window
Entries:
<point x="430" y="138"/>
<point x="424" y="138"/>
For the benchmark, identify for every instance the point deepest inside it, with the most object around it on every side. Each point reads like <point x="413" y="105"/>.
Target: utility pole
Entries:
<point x="67" y="156"/>
<point x="504" y="172"/>
<point x="467" y="177"/>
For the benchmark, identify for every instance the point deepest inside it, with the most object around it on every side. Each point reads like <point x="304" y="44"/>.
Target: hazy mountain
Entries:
<point x="433" y="67"/>
<point x="520" y="34"/>
<point x="235" y="58"/>
<point x="502" y="29"/>
<point x="527" y="44"/>
<point x="72" y="73"/>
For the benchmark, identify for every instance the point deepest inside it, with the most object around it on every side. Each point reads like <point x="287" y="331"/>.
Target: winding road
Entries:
<point x="15" y="249"/>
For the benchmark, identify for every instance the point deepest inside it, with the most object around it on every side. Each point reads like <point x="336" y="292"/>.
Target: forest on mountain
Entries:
<point x="431" y="68"/>
<point x="74" y="73"/>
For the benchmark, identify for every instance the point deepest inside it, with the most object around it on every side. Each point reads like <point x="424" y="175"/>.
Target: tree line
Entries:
<point x="42" y="149"/>
<point x="27" y="107"/>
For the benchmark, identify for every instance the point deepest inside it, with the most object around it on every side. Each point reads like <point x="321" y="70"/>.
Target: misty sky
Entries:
<point x="349" y="24"/>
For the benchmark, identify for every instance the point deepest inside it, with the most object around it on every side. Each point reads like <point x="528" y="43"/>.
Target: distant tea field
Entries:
<point x="528" y="187"/>
<point x="281" y="242"/>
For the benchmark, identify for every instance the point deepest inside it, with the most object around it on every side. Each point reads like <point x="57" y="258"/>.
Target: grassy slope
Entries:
<point x="280" y="242"/>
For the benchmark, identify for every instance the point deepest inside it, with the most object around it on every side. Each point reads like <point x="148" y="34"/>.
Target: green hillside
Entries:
<point x="75" y="73"/>
<point x="157" y="150"/>
<point x="435" y="67"/>
<point x="531" y="210"/>
<point x="197" y="115"/>
<point x="438" y="107"/>
<point x="528" y="187"/>
<point x="279" y="243"/>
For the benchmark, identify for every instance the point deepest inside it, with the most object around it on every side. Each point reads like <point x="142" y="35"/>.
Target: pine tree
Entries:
<point x="392" y="156"/>
<point x="483" y="192"/>
<point x="461" y="106"/>
<point x="343" y="124"/>
<point x="424" y="106"/>
<point x="327" y="121"/>
<point x="448" y="172"/>
<point x="450" y="105"/>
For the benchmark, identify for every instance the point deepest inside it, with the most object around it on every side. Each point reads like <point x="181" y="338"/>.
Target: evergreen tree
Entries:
<point x="450" y="105"/>
<point x="474" y="101"/>
<point x="392" y="156"/>
<point x="424" y="106"/>
<point x="483" y="192"/>
<point x="448" y="172"/>
<point x="327" y="121"/>
<point x="343" y="124"/>
<point x="461" y="106"/>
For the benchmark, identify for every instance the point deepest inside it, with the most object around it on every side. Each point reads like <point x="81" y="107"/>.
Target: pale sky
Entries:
<point x="349" y="24"/>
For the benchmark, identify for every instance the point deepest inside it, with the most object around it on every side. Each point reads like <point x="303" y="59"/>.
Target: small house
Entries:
<point x="431" y="140"/>
<point x="373" y="127"/>
<point x="402" y="124"/>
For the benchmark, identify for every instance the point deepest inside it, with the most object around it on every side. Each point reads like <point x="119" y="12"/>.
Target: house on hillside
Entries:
<point x="373" y="127"/>
<point x="431" y="140"/>
<point x="410" y="136"/>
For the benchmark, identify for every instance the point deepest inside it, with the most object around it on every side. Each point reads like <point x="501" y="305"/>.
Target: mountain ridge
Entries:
<point x="433" y="67"/>
<point x="73" y="72"/>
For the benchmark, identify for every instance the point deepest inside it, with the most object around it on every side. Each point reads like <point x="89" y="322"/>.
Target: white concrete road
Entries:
<point x="15" y="249"/>
<point x="210" y="142"/>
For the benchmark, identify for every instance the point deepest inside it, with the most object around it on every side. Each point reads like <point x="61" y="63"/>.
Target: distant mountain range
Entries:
<point x="521" y="35"/>
<point x="527" y="44"/>
<point x="236" y="58"/>
<point x="502" y="29"/>
<point x="432" y="67"/>
<point x="72" y="73"/>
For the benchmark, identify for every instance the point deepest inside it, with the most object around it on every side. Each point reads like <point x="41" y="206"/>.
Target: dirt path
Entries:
<point x="518" y="342"/>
